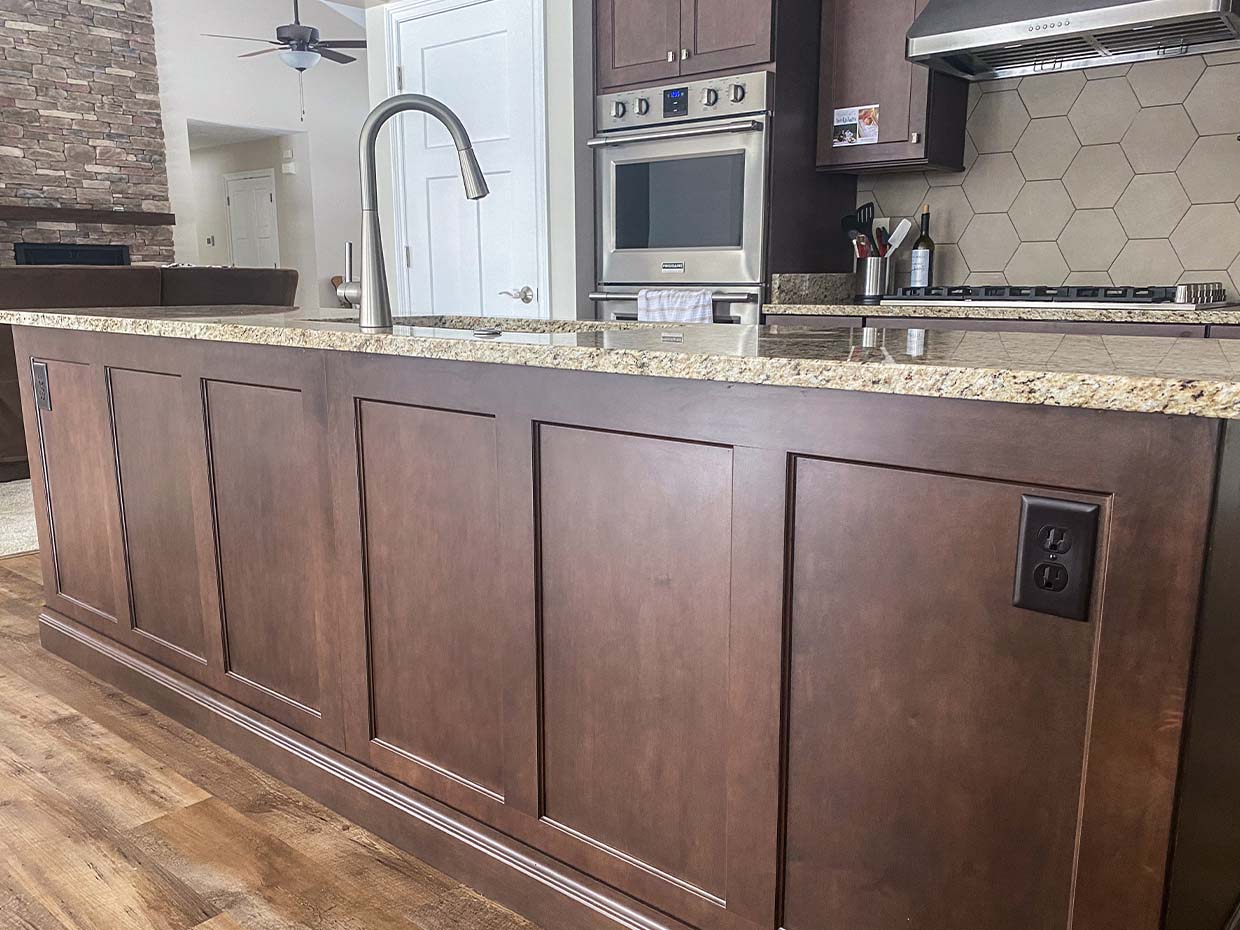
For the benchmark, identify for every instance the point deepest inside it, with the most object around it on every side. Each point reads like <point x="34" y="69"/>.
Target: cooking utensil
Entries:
<point x="865" y="219"/>
<point x="901" y="233"/>
<point x="881" y="240"/>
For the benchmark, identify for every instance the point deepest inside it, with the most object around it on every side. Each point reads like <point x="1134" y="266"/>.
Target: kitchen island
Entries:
<point x="707" y="627"/>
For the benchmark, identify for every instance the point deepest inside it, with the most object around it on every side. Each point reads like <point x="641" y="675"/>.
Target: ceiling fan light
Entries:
<point x="300" y="60"/>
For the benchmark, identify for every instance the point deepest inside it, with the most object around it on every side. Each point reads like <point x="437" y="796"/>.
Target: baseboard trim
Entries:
<point x="517" y="876"/>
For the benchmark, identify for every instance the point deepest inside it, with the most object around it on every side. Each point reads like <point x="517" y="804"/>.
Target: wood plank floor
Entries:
<point x="113" y="817"/>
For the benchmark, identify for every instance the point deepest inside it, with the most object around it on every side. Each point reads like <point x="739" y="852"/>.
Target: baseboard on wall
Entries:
<point x="547" y="892"/>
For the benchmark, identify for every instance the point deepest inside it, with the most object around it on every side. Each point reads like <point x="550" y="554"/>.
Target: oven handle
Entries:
<point x="749" y="125"/>
<point x="722" y="297"/>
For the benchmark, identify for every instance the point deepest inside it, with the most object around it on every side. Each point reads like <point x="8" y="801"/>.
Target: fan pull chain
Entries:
<point x="301" y="90"/>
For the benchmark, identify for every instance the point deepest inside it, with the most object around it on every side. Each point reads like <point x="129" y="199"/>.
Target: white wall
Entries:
<point x="202" y="79"/>
<point x="568" y="65"/>
<point x="570" y="164"/>
<point x="294" y="203"/>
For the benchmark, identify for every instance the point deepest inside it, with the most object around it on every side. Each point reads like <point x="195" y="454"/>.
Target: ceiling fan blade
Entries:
<point x="261" y="51"/>
<point x="343" y="43"/>
<point x="334" y="56"/>
<point x="213" y="35"/>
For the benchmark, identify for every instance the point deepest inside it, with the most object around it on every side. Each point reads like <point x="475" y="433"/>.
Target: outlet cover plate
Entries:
<point x="1055" y="556"/>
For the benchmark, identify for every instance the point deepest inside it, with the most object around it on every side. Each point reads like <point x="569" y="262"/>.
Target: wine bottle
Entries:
<point x="923" y="253"/>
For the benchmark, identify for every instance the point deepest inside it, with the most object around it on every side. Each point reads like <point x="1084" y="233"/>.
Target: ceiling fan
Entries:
<point x="299" y="45"/>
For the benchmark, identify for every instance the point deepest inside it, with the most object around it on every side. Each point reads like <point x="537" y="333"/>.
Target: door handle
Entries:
<point x="525" y="295"/>
<point x="714" y="129"/>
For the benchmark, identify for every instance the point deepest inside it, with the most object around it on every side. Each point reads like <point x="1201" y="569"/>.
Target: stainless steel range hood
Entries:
<point x="985" y="39"/>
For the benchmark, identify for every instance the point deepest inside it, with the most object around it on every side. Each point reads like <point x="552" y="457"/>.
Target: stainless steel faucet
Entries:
<point x="374" y="301"/>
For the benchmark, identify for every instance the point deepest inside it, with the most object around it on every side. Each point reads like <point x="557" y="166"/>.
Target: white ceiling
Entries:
<point x="209" y="135"/>
<point x="350" y="9"/>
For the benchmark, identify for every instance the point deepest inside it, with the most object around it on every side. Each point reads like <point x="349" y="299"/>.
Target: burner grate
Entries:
<point x="1066" y="293"/>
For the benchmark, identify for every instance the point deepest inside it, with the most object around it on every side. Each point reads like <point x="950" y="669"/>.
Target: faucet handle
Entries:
<point x="349" y="291"/>
<point x="348" y="262"/>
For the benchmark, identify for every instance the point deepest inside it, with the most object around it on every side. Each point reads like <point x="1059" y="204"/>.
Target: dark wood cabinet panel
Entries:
<point x="552" y="620"/>
<point x="645" y="41"/>
<point x="636" y="41"/>
<point x="921" y="114"/>
<point x="264" y="501"/>
<point x="83" y="565"/>
<point x="435" y="616"/>
<point x="154" y="445"/>
<point x="720" y="34"/>
<point x="635" y="563"/>
<point x="902" y="808"/>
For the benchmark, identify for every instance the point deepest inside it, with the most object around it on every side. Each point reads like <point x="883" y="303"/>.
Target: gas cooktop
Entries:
<point x="1167" y="297"/>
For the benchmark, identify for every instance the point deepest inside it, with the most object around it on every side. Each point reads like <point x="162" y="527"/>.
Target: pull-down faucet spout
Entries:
<point x="375" y="303"/>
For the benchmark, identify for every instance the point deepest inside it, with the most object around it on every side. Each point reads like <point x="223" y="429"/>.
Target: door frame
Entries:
<point x="269" y="173"/>
<point x="398" y="14"/>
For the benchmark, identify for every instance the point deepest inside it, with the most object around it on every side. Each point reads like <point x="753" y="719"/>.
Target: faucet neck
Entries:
<point x="375" y="305"/>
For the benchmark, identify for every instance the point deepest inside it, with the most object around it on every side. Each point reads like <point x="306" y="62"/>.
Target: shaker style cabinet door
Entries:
<point x="724" y="34"/>
<point x="636" y="41"/>
<point x="64" y="392"/>
<point x="920" y="113"/>
<point x="907" y="669"/>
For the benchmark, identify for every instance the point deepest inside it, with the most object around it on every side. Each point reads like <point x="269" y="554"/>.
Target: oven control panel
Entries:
<point x="735" y="95"/>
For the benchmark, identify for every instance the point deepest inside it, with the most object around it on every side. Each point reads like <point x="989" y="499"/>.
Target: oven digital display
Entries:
<point x="676" y="102"/>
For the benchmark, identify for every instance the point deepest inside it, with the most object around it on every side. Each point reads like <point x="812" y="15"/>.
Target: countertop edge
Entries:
<point x="1212" y="399"/>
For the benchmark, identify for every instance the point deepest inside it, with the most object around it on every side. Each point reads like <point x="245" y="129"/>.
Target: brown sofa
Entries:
<point x="39" y="287"/>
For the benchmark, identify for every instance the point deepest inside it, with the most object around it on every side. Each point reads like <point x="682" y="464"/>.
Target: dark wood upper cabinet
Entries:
<point x="921" y="114"/>
<point x="721" y="34"/>
<point x="646" y="41"/>
<point x="636" y="40"/>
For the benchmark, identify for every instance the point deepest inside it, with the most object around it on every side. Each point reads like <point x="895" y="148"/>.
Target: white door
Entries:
<point x="484" y="60"/>
<point x="252" y="220"/>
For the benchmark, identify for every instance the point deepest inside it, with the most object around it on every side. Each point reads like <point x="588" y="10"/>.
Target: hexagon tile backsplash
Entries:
<point x="1122" y="175"/>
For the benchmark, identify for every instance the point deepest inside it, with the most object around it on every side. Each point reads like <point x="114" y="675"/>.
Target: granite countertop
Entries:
<point x="1185" y="376"/>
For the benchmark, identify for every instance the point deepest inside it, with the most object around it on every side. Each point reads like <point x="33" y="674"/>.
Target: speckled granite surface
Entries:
<point x="1197" y="377"/>
<point x="1051" y="312"/>
<point x="813" y="288"/>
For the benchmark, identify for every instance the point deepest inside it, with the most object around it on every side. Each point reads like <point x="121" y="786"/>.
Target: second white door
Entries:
<point x="252" y="220"/>
<point x="483" y="60"/>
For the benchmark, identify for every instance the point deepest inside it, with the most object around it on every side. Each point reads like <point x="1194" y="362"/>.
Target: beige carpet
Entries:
<point x="17" y="531"/>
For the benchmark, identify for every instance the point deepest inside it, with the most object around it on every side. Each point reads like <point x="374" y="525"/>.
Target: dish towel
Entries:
<point x="675" y="305"/>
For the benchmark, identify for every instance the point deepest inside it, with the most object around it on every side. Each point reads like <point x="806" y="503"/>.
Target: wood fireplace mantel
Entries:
<point x="80" y="215"/>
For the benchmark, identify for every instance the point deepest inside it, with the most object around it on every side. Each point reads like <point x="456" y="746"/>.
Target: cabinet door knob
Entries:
<point x="671" y="56"/>
<point x="684" y="54"/>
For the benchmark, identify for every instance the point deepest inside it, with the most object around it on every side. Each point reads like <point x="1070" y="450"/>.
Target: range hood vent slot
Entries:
<point x="1169" y="37"/>
<point x="1035" y="54"/>
<point x="987" y="39"/>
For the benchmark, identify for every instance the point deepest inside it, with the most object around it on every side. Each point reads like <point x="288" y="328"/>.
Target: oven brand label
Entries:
<point x="673" y="267"/>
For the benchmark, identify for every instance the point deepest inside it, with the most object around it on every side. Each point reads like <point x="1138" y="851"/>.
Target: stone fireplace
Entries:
<point x="81" y="141"/>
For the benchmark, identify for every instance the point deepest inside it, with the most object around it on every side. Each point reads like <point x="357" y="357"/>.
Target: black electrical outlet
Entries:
<point x="1055" y="556"/>
<point x="42" y="390"/>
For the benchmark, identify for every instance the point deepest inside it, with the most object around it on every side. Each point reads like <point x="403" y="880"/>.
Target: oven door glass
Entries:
<point x="681" y="203"/>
